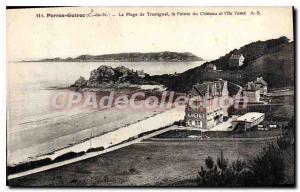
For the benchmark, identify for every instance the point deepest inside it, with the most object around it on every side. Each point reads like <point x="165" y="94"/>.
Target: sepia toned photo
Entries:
<point x="150" y="97"/>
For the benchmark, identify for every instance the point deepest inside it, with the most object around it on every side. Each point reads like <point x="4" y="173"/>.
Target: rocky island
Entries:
<point x="165" y="56"/>
<point x="108" y="77"/>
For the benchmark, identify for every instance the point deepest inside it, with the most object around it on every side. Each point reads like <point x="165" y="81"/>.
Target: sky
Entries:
<point x="207" y="36"/>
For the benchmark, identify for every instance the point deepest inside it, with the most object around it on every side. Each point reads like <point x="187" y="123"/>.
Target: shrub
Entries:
<point x="266" y="169"/>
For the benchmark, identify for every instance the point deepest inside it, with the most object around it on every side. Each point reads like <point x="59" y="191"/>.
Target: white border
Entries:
<point x="152" y="3"/>
<point x="113" y="3"/>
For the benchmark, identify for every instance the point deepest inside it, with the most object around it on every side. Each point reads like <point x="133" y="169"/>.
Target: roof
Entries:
<point x="250" y="86"/>
<point x="236" y="56"/>
<point x="261" y="81"/>
<point x="207" y="87"/>
<point x="140" y="72"/>
<point x="250" y="117"/>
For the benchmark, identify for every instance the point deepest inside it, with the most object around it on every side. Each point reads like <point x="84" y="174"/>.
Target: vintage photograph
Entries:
<point x="150" y="97"/>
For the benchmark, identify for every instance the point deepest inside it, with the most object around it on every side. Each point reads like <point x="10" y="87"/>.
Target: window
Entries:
<point x="196" y="115"/>
<point x="190" y="122"/>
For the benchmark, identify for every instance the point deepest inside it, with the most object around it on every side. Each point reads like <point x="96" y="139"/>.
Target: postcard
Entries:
<point x="150" y="96"/>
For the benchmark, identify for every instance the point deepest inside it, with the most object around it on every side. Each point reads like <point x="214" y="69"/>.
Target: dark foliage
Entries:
<point x="27" y="166"/>
<point x="266" y="169"/>
<point x="288" y="135"/>
<point x="271" y="59"/>
<point x="95" y="149"/>
<point x="43" y="162"/>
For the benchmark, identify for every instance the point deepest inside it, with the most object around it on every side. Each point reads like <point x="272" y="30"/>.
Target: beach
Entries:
<point x="29" y="114"/>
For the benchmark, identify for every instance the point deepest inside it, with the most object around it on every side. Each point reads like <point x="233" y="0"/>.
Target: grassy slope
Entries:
<point x="273" y="61"/>
<point x="220" y="134"/>
<point x="147" y="163"/>
<point x="277" y="68"/>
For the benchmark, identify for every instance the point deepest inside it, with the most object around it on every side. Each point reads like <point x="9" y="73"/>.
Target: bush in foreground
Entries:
<point x="266" y="169"/>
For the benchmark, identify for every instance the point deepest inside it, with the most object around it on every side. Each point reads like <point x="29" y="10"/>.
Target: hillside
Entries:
<point x="132" y="57"/>
<point x="273" y="60"/>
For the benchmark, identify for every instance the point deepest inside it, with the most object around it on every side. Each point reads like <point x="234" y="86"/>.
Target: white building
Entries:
<point x="141" y="73"/>
<point x="212" y="67"/>
<point x="251" y="92"/>
<point x="204" y="109"/>
<point x="262" y="85"/>
<point x="236" y="60"/>
<point x="248" y="120"/>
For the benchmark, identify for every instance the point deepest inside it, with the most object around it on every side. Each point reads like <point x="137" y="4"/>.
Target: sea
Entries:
<point x="30" y="87"/>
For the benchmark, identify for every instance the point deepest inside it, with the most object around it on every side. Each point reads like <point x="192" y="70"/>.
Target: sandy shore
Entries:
<point x="72" y="133"/>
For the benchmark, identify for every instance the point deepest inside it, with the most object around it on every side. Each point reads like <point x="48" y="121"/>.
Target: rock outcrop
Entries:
<point x="103" y="74"/>
<point x="81" y="82"/>
<point x="106" y="76"/>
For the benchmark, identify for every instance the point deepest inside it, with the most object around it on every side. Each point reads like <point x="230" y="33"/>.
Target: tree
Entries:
<point x="268" y="168"/>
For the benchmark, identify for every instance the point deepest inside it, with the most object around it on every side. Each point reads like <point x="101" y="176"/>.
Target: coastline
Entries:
<point x="81" y="61"/>
<point x="111" y="139"/>
<point x="115" y="137"/>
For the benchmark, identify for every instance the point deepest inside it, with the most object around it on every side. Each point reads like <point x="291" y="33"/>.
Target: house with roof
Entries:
<point x="212" y="67"/>
<point x="262" y="85"/>
<point x="251" y="92"/>
<point x="140" y="73"/>
<point x="204" y="109"/>
<point x="236" y="60"/>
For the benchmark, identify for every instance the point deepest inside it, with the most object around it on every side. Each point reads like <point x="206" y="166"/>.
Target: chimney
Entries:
<point x="225" y="84"/>
<point x="214" y="89"/>
<point x="207" y="92"/>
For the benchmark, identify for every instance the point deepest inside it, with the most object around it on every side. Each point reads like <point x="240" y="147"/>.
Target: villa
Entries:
<point x="262" y="85"/>
<point x="236" y="60"/>
<point x="204" y="109"/>
<point x="251" y="92"/>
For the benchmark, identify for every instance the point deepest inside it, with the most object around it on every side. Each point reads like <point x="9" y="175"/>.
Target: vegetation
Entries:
<point x="251" y="52"/>
<point x="220" y="134"/>
<point x="108" y="77"/>
<point x="288" y="138"/>
<point x="262" y="58"/>
<point x="266" y="169"/>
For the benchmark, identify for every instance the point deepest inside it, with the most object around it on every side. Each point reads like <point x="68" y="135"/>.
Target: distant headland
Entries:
<point x="165" y="56"/>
